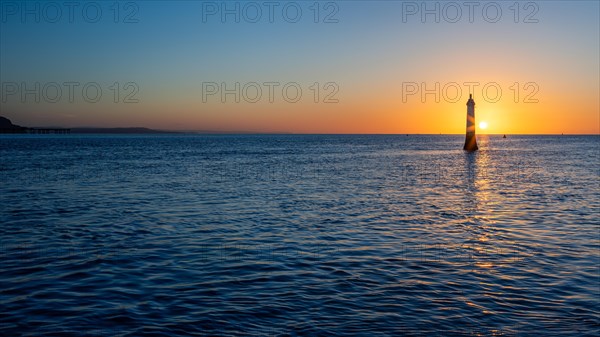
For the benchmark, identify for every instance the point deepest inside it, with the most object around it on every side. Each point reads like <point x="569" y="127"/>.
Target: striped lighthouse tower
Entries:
<point x="470" y="140"/>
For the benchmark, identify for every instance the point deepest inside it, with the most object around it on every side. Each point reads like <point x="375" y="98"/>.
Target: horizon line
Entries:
<point x="242" y="132"/>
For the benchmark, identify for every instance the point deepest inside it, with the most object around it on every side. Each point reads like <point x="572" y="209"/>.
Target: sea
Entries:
<point x="299" y="235"/>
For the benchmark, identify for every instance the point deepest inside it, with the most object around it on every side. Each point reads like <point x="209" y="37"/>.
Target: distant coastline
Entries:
<point x="6" y="126"/>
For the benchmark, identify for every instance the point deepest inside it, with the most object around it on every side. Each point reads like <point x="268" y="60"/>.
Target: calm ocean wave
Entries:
<point x="299" y="235"/>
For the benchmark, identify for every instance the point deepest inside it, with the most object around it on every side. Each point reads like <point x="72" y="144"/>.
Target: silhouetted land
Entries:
<point x="6" y="126"/>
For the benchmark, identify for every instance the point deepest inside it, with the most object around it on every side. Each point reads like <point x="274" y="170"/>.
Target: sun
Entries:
<point x="483" y="125"/>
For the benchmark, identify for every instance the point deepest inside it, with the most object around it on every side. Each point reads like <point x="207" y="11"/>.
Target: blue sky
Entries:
<point x="171" y="50"/>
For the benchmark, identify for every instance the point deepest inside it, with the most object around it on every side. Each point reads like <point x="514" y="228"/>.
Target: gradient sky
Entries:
<point x="370" y="54"/>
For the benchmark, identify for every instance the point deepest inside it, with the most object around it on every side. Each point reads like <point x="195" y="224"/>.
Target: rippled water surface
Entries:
<point x="297" y="235"/>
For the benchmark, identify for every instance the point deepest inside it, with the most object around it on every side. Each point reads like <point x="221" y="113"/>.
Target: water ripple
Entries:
<point x="299" y="235"/>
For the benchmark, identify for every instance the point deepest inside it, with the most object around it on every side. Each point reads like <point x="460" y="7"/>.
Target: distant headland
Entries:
<point x="6" y="126"/>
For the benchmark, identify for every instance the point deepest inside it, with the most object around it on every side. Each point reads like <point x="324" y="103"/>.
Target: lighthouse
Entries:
<point x="470" y="140"/>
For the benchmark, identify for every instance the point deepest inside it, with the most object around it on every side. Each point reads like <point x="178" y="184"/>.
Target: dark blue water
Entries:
<point x="291" y="235"/>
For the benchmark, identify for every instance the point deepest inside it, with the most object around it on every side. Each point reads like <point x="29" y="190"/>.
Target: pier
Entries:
<point x="61" y="131"/>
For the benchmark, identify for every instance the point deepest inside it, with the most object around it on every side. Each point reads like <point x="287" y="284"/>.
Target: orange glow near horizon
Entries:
<point x="544" y="74"/>
<point x="378" y="110"/>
